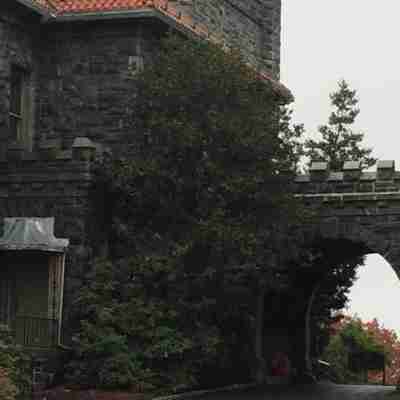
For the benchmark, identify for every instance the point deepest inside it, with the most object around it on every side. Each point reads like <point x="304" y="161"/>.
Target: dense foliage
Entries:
<point x="334" y="272"/>
<point x="200" y="225"/>
<point x="318" y="283"/>
<point x="132" y="333"/>
<point x="15" y="371"/>
<point x="199" y="209"/>
<point x="338" y="142"/>
<point x="354" y="349"/>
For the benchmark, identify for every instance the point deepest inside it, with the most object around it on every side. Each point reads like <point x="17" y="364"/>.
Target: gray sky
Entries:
<point x="324" y="41"/>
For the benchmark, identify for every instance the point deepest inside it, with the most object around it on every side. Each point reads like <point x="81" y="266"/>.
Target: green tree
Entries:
<point x="338" y="142"/>
<point x="353" y="350"/>
<point x="15" y="367"/>
<point x="200" y="204"/>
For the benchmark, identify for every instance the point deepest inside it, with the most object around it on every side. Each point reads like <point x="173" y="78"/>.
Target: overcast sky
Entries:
<point x="324" y="41"/>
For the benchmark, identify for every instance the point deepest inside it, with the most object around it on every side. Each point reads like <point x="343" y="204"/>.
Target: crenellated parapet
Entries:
<point x="51" y="182"/>
<point x="360" y="206"/>
<point x="351" y="181"/>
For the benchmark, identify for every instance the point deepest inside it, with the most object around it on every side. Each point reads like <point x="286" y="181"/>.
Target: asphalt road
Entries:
<point x="321" y="391"/>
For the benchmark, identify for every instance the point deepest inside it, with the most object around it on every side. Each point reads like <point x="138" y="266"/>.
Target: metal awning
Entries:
<point x="31" y="234"/>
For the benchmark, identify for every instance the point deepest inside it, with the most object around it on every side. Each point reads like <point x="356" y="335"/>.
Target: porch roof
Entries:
<point x="31" y="234"/>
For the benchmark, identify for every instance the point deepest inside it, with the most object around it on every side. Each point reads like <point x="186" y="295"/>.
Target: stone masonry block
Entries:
<point x="319" y="166"/>
<point x="83" y="149"/>
<point x="319" y="171"/>
<point x="386" y="169"/>
<point x="335" y="177"/>
<point x="352" y="170"/>
<point x="351" y="166"/>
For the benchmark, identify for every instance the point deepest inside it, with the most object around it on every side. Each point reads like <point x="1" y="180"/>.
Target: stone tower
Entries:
<point x="252" y="25"/>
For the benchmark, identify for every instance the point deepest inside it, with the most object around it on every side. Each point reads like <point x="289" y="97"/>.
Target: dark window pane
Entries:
<point x="15" y="124"/>
<point x="17" y="77"/>
<point x="17" y="82"/>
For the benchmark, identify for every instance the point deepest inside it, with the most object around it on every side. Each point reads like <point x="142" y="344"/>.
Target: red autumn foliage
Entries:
<point x="389" y="340"/>
<point x="338" y="323"/>
<point x="383" y="336"/>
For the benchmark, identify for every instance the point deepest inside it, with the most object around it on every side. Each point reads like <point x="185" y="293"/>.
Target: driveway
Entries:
<point x="321" y="391"/>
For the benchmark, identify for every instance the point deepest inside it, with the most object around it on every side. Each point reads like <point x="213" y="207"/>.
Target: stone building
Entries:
<point x="66" y="69"/>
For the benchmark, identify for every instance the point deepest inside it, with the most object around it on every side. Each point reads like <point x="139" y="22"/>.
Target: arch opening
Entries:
<point x="376" y="292"/>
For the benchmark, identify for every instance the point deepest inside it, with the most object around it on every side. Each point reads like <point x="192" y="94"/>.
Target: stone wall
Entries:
<point x="60" y="185"/>
<point x="252" y="25"/>
<point x="82" y="73"/>
<point x="87" y="79"/>
<point x="81" y="76"/>
<point x="362" y="207"/>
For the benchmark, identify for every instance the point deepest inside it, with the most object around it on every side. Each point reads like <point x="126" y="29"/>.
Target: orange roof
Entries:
<point x="76" y="6"/>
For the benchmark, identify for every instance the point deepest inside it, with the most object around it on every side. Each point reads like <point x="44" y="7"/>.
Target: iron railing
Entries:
<point x="36" y="331"/>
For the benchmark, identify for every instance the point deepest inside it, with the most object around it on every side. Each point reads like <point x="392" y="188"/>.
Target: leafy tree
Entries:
<point x="8" y="390"/>
<point x="353" y="350"/>
<point x="388" y="339"/>
<point x="338" y="142"/>
<point x="199" y="206"/>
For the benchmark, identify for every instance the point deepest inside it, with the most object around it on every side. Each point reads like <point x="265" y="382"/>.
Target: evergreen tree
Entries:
<point x="338" y="142"/>
<point x="292" y="138"/>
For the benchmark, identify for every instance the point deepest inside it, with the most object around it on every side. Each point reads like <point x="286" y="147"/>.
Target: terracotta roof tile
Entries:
<point x="76" y="6"/>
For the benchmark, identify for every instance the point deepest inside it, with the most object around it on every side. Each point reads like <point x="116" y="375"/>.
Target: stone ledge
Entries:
<point x="360" y="196"/>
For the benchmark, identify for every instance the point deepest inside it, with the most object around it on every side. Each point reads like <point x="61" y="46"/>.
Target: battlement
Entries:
<point x="351" y="180"/>
<point x="359" y="206"/>
<point x="82" y="150"/>
<point x="51" y="182"/>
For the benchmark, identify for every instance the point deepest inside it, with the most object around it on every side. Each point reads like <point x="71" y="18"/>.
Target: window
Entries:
<point x="18" y="104"/>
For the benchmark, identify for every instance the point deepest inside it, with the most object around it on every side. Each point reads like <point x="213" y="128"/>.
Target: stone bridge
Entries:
<point x="363" y="207"/>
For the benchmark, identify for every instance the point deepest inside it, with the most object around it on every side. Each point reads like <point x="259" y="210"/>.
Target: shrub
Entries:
<point x="130" y="339"/>
<point x="103" y="361"/>
<point x="15" y="366"/>
<point x="8" y="390"/>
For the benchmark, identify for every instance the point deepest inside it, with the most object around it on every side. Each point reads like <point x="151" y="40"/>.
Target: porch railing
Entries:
<point x="36" y="331"/>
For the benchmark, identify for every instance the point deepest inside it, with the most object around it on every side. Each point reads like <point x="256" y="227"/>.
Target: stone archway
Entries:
<point x="380" y="238"/>
<point x="354" y="204"/>
<point x="345" y="233"/>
